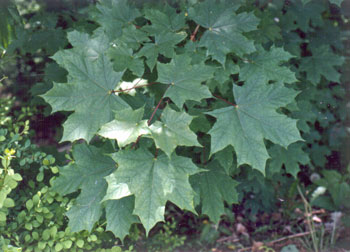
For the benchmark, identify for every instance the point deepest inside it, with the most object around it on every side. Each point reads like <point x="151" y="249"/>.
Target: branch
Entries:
<point x="230" y="103"/>
<point x="137" y="140"/>
<point x="154" y="111"/>
<point x="278" y="240"/>
<point x="194" y="33"/>
<point x="157" y="107"/>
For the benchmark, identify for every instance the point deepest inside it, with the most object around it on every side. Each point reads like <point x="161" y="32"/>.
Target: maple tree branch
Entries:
<point x="128" y="89"/>
<point x="194" y="33"/>
<point x="203" y="153"/>
<point x="157" y="107"/>
<point x="278" y="240"/>
<point x="230" y="103"/>
<point x="154" y="111"/>
<point x="136" y="142"/>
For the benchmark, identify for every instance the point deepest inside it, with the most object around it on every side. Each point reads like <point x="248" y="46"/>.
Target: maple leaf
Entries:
<point x="86" y="173"/>
<point x="302" y="16"/>
<point x="322" y="62"/>
<point x="153" y="181"/>
<point x="119" y="216"/>
<point x="89" y="47"/>
<point x="126" y="127"/>
<point x="225" y="29"/>
<point x="123" y="58"/>
<point x="225" y="159"/>
<point x="184" y="79"/>
<point x="290" y="157"/>
<point x="253" y="119"/>
<point x="173" y="131"/>
<point x="165" y="20"/>
<point x="87" y="207"/>
<point x="268" y="29"/>
<point x="133" y="37"/>
<point x="114" y="15"/>
<point x="263" y="66"/>
<point x="214" y="187"/>
<point x="87" y="93"/>
<point x="164" y="43"/>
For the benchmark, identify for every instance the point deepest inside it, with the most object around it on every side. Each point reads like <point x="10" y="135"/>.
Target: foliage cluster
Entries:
<point x="200" y="103"/>
<point x="32" y="215"/>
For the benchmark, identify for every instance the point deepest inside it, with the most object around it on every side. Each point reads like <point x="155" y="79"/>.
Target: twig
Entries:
<point x="137" y="140"/>
<point x="279" y="240"/>
<point x="157" y="107"/>
<point x="154" y="111"/>
<point x="229" y="238"/>
<point x="289" y="237"/>
<point x="3" y="78"/>
<point x="194" y="33"/>
<point x="230" y="103"/>
<point x="309" y="220"/>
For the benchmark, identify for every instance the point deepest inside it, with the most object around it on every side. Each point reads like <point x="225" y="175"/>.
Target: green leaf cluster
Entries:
<point x="219" y="101"/>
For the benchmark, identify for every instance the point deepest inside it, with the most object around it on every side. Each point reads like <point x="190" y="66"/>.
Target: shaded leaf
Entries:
<point x="119" y="216"/>
<point x="214" y="187"/>
<point x="321" y="63"/>
<point x="263" y="66"/>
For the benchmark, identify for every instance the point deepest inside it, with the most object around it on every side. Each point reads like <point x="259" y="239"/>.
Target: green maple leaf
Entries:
<point x="184" y="79"/>
<point x="126" y="127"/>
<point x="90" y="47"/>
<point x="86" y="173"/>
<point x="291" y="158"/>
<point x="153" y="181"/>
<point x="165" y="20"/>
<point x="164" y="43"/>
<point x="87" y="93"/>
<point x="114" y="15"/>
<point x="119" y="216"/>
<point x="173" y="131"/>
<point x="268" y="29"/>
<point x="321" y="63"/>
<point x="123" y="58"/>
<point x="214" y="187"/>
<point x="253" y="119"/>
<point x="225" y="29"/>
<point x="263" y="66"/>
<point x="225" y="159"/>
<point x="302" y="15"/>
<point x="133" y="37"/>
<point x="87" y="208"/>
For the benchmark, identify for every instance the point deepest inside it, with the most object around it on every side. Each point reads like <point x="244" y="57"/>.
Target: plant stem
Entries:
<point x="230" y="103"/>
<point x="309" y="220"/>
<point x="157" y="107"/>
<point x="154" y="111"/>
<point x="194" y="33"/>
